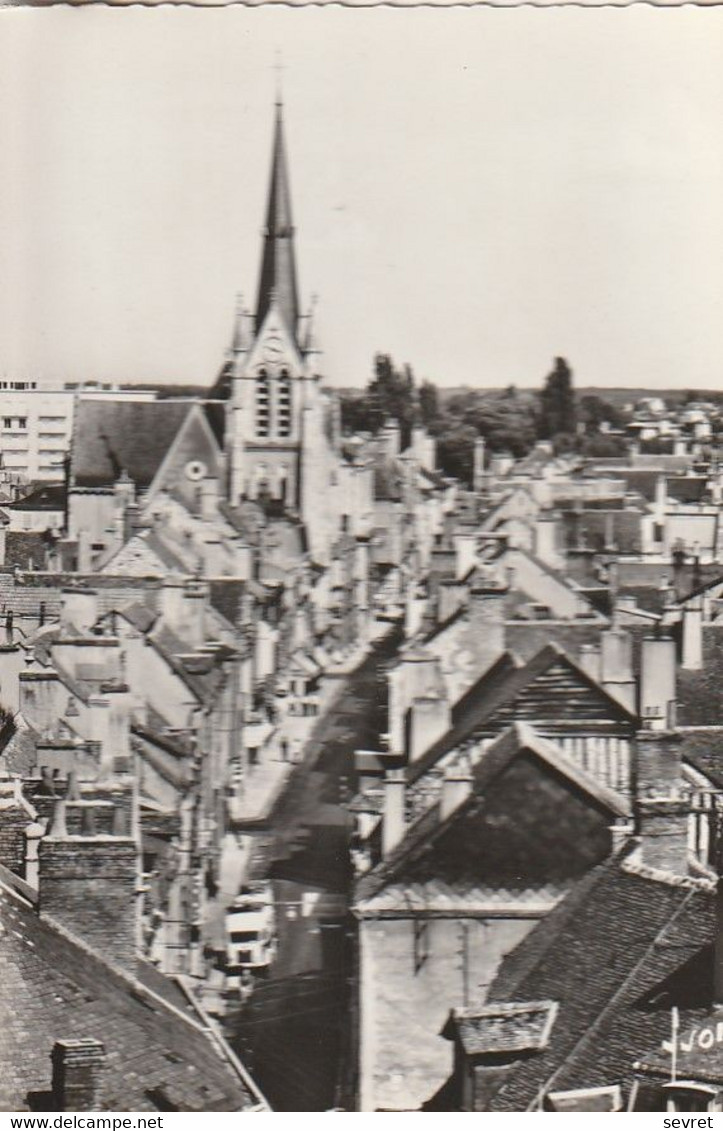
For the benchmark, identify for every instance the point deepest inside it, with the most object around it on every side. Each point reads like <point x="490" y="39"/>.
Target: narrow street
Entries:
<point x="293" y="1031"/>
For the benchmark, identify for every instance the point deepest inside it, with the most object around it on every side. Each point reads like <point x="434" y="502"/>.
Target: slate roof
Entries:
<point x="44" y="497"/>
<point x="54" y="988"/>
<point x="616" y="954"/>
<point x="23" y="593"/>
<point x="417" y="859"/>
<point x="114" y="436"/>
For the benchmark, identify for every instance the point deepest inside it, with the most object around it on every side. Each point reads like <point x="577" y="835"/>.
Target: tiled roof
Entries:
<point x="56" y="988"/>
<point x="616" y="954"/>
<point x="498" y="689"/>
<point x="114" y="436"/>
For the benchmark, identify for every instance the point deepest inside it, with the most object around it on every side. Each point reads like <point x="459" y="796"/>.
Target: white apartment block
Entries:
<point x="36" y="424"/>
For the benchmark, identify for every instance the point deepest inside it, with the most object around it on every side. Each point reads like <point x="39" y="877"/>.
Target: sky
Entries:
<point x="475" y="191"/>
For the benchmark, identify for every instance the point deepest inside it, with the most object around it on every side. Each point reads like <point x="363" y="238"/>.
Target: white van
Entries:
<point x="251" y="929"/>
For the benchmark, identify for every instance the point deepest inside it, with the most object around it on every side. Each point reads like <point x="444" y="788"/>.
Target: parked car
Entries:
<point x="251" y="941"/>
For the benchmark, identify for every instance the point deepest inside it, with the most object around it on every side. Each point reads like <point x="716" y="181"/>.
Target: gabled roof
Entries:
<point x="44" y="497"/>
<point x="57" y="988"/>
<point x="464" y="715"/>
<point x="497" y="691"/>
<point x="493" y="761"/>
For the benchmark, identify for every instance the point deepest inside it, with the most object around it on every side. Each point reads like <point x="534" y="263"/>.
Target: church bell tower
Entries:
<point x="279" y="445"/>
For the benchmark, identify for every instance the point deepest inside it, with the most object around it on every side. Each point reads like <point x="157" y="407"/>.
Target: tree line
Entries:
<point x="510" y="420"/>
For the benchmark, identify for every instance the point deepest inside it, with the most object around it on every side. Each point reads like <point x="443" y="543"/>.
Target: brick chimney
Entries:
<point x="485" y="614"/>
<point x="657" y="682"/>
<point x="78" y="1067"/>
<point x="415" y="675"/>
<point x="661" y="807"/>
<point x="88" y="881"/>
<point x="393" y="814"/>
<point x="116" y="755"/>
<point x="663" y="830"/>
<point x="657" y="763"/>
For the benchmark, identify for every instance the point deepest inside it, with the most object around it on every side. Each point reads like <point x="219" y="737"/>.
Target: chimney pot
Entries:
<point x="394" y="815"/>
<point x="77" y="1074"/>
<point x="658" y="682"/>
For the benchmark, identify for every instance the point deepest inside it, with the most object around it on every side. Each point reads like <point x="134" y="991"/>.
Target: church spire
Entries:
<point x="278" y="264"/>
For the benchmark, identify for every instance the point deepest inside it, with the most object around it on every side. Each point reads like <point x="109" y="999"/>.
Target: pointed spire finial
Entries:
<point x="238" y="341"/>
<point x="279" y="68"/>
<point x="278" y="264"/>
<point x="310" y="345"/>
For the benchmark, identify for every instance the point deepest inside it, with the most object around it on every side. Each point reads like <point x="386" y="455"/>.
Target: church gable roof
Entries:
<point x="110" y="437"/>
<point x="194" y="454"/>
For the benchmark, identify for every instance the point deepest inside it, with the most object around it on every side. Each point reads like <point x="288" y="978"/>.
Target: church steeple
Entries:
<point x="278" y="264"/>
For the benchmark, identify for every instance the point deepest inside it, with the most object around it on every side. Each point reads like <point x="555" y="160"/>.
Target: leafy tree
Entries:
<point x="392" y="394"/>
<point x="428" y="403"/>
<point x="594" y="411"/>
<point x="557" y="402"/>
<point x="455" y="448"/>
